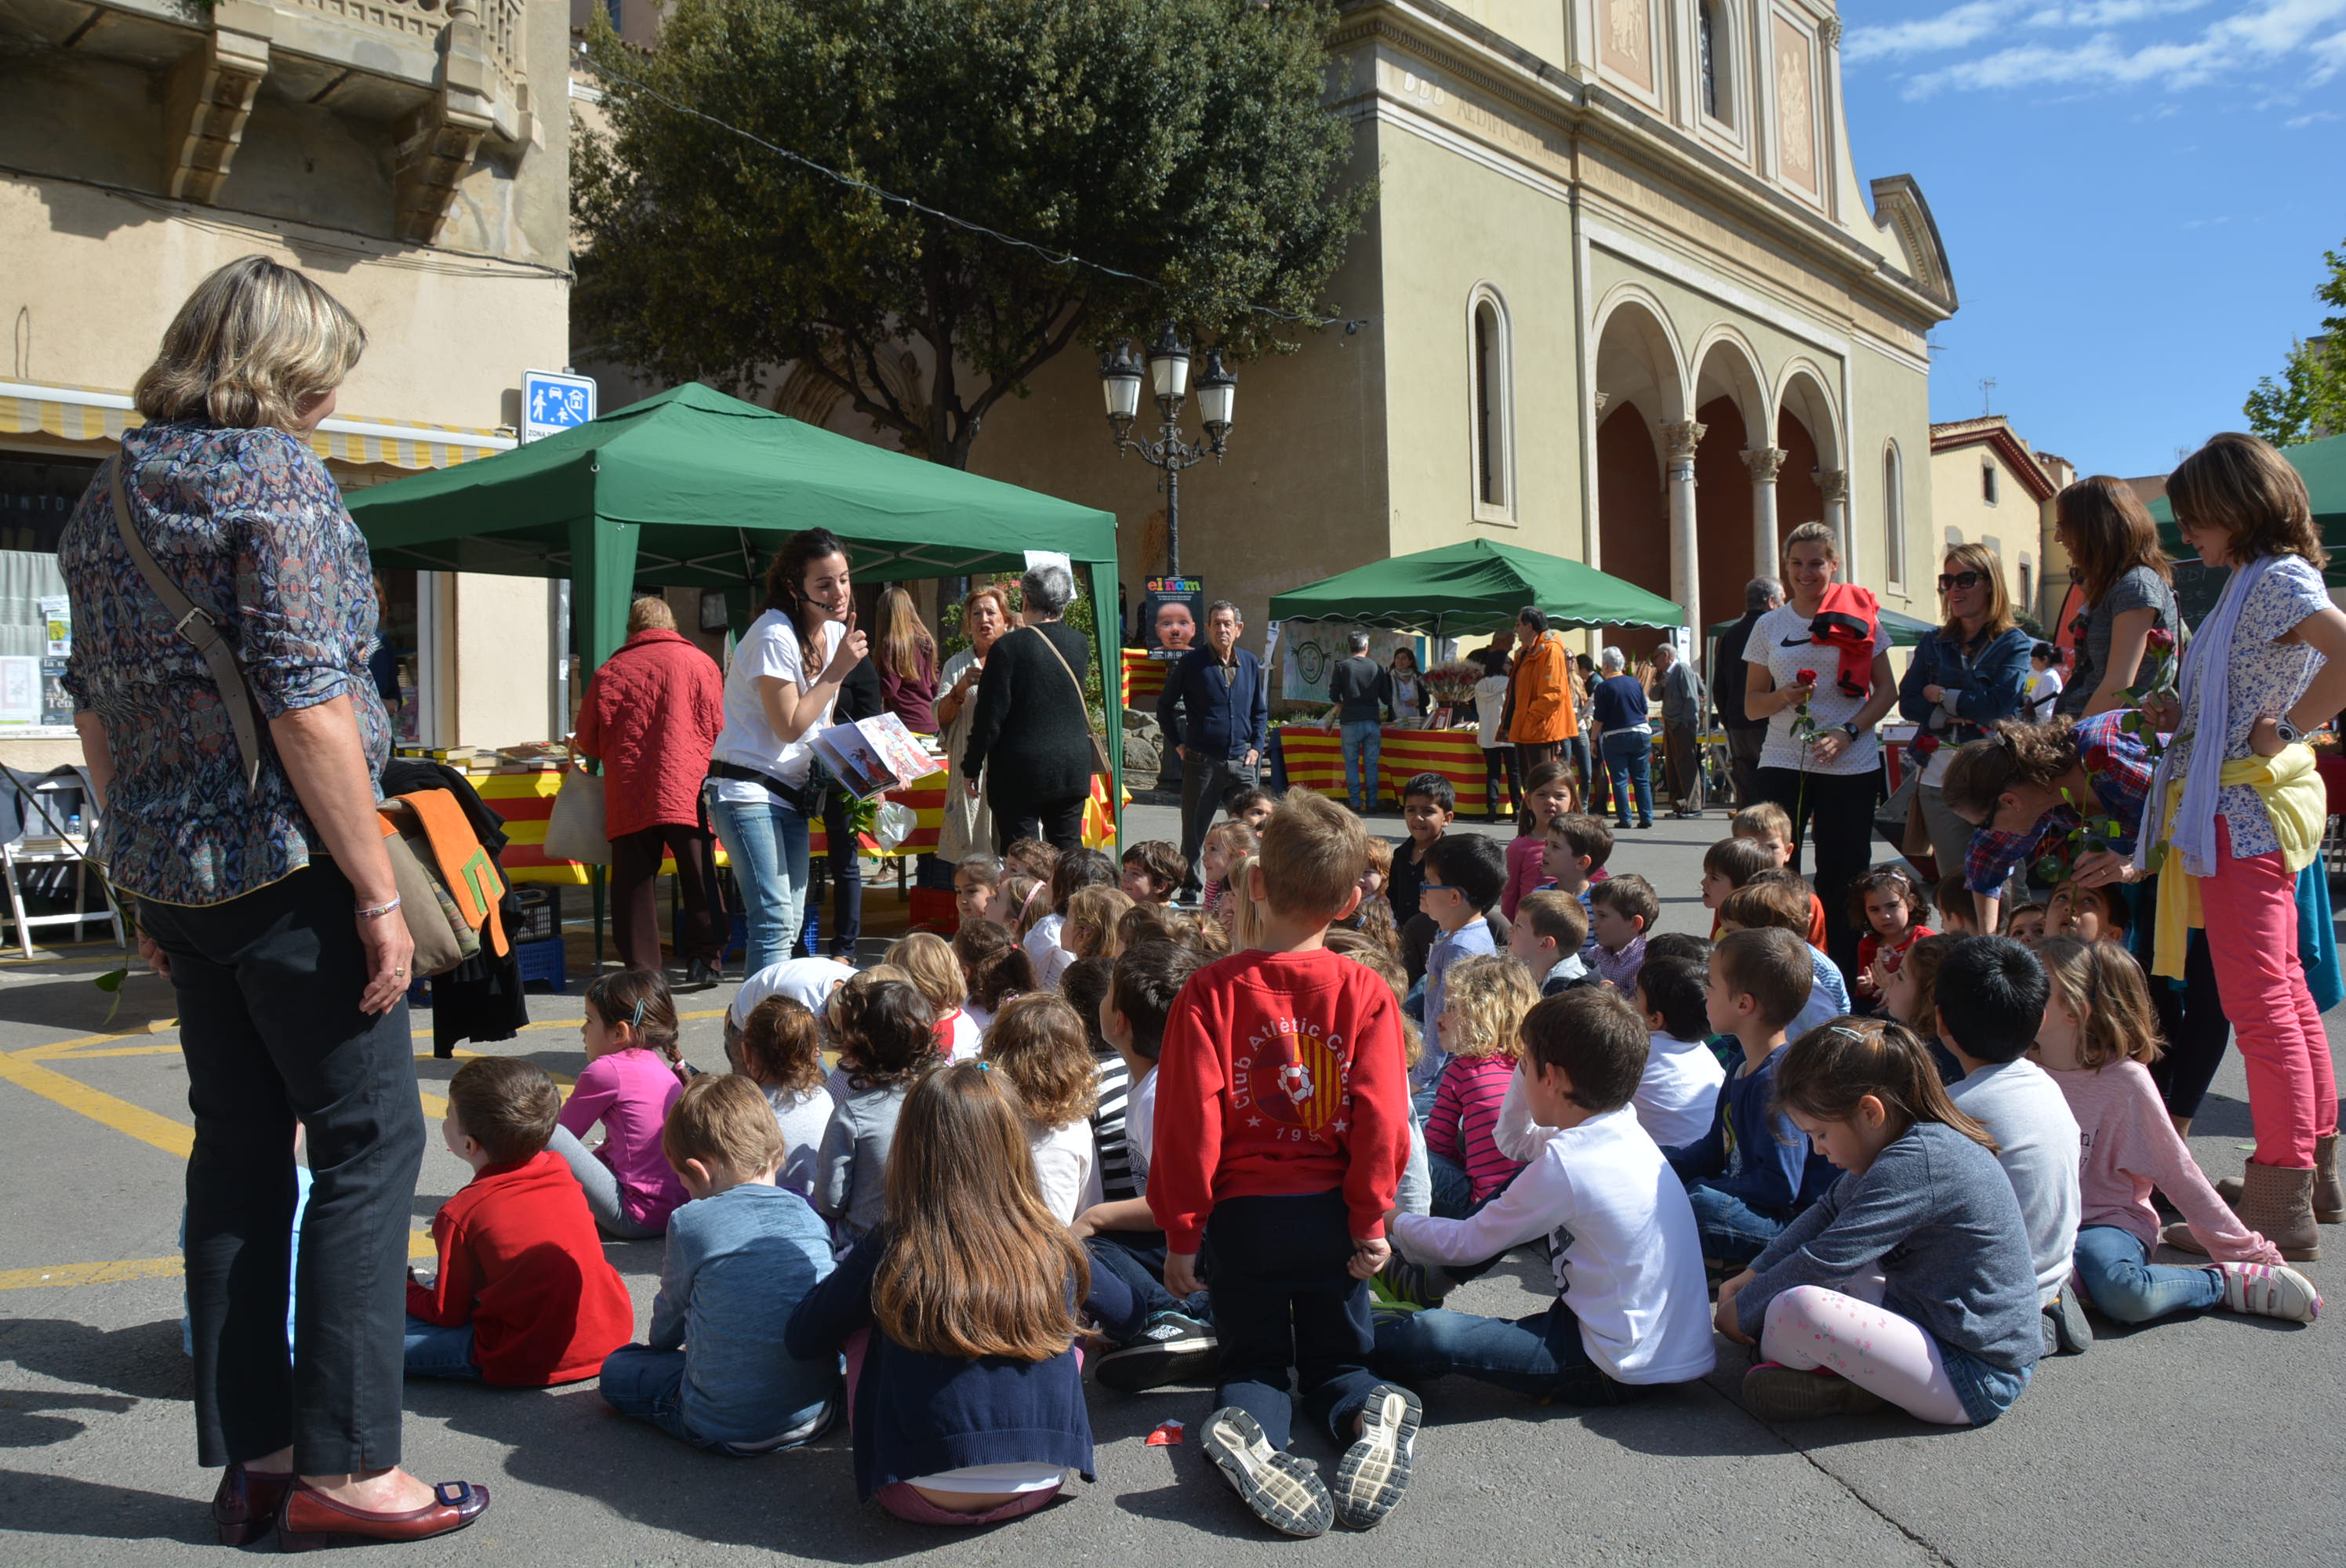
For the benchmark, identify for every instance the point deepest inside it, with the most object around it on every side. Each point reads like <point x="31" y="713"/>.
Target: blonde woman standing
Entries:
<point x="265" y="897"/>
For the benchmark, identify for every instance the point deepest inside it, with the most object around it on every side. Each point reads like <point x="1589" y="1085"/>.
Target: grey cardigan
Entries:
<point x="851" y="1179"/>
<point x="1936" y="1213"/>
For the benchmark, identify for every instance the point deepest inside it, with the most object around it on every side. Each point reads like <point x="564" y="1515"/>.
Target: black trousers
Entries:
<point x="2197" y="1030"/>
<point x="844" y="868"/>
<point x="1206" y="788"/>
<point x="701" y="931"/>
<point x="1499" y="781"/>
<point x="270" y="1026"/>
<point x="1059" y="824"/>
<point x="1840" y="807"/>
<point x="1283" y="1300"/>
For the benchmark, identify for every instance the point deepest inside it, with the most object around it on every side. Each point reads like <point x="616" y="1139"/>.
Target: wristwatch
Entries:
<point x="2289" y="732"/>
<point x="1851" y="730"/>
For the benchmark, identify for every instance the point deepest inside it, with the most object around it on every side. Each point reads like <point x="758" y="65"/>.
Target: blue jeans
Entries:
<point x="1541" y="1355"/>
<point x="1628" y="760"/>
<point x="436" y="1352"/>
<point x="1454" y="1194"/>
<point x="1731" y="1230"/>
<point x="1284" y="1302"/>
<point x="767" y="842"/>
<point x="1365" y="740"/>
<point x="1592" y="779"/>
<point x="2121" y="1285"/>
<point x="648" y="1385"/>
<point x="1138" y="1258"/>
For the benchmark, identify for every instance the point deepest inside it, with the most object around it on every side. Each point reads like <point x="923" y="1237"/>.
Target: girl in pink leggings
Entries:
<point x="958" y="1317"/>
<point x="2244" y="808"/>
<point x="1908" y="1284"/>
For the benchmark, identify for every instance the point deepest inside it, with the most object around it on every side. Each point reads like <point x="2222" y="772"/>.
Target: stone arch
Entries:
<point x="1641" y="389"/>
<point x="1813" y="485"/>
<point x="1733" y="407"/>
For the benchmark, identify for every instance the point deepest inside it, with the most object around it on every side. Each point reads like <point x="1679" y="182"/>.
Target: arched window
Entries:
<point x="1893" y="515"/>
<point x="1712" y="45"/>
<point x="1493" y="415"/>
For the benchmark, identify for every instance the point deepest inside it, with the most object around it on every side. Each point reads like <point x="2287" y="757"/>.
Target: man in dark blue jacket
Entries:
<point x="1216" y="710"/>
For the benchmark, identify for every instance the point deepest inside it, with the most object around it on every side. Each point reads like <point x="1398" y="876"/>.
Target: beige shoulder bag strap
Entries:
<point x="1099" y="752"/>
<point x="197" y="628"/>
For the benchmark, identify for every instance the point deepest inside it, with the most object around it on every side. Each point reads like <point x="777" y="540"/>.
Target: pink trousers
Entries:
<point x="2250" y="906"/>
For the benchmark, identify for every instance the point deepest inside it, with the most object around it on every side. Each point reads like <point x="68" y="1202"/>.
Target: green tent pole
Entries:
<point x="1105" y="631"/>
<point x="602" y="580"/>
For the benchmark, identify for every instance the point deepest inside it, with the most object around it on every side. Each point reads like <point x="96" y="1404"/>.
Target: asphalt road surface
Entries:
<point x="2210" y="1440"/>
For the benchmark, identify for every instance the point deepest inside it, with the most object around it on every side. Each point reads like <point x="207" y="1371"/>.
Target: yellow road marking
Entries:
<point x="89" y="1273"/>
<point x="172" y="1137"/>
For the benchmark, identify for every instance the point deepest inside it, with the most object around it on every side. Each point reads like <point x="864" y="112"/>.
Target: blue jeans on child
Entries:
<point x="1541" y="1355"/>
<point x="436" y="1352"/>
<point x="1363" y="740"/>
<point x="1138" y="1258"/>
<point x="648" y="1385"/>
<point x="1733" y="1231"/>
<point x="1454" y="1194"/>
<point x="2113" y="1266"/>
<point x="767" y="843"/>
<point x="1283" y="1300"/>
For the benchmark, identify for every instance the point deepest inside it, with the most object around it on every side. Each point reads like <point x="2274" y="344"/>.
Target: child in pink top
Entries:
<point x="2098" y="1031"/>
<point x="633" y="1075"/>
<point x="1547" y="795"/>
<point x="1484" y="1003"/>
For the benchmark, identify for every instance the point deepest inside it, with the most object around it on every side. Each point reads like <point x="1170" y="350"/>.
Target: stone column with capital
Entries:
<point x="1765" y="463"/>
<point x="1834" y="483"/>
<point x="1685" y="567"/>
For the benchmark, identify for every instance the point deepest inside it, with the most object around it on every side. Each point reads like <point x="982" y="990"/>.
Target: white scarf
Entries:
<point x="2193" y="834"/>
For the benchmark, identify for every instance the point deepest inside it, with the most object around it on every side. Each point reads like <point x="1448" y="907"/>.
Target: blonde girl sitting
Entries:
<point x="1039" y="1045"/>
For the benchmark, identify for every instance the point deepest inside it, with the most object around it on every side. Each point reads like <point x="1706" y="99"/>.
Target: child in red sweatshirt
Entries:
<point x="523" y="1297"/>
<point x="1283" y="1124"/>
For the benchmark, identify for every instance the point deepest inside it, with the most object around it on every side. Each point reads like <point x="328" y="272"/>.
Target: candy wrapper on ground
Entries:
<point x="1167" y="1434"/>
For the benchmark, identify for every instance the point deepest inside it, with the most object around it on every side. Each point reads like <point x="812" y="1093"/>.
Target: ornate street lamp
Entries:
<point x="1168" y="374"/>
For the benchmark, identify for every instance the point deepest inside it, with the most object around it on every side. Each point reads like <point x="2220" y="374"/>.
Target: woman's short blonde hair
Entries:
<point x="1814" y="533"/>
<point x="254" y="343"/>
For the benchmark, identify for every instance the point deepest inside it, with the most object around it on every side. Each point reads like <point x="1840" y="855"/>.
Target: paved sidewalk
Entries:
<point x="2213" y="1440"/>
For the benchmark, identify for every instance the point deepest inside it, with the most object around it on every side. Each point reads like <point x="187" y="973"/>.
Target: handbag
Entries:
<point x="1100" y="753"/>
<point x="573" y="828"/>
<point x="1899" y="819"/>
<point x="434" y="922"/>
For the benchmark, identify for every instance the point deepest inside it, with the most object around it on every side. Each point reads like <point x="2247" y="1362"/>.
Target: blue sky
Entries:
<point x="2134" y="196"/>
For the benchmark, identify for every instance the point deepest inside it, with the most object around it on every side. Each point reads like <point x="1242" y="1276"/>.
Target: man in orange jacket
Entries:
<point x="1539" y="692"/>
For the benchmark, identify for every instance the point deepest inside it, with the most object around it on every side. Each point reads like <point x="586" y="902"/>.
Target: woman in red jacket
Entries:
<point x="650" y="716"/>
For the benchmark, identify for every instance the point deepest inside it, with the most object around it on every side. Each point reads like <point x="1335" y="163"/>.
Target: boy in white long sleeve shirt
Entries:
<point x="1632" y="1308"/>
<point x="1990" y="994"/>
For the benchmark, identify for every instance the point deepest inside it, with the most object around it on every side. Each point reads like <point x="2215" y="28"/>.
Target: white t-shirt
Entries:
<point x="985" y="1480"/>
<point x="1490" y="706"/>
<point x="2043" y="685"/>
<point x="809" y="981"/>
<point x="968" y="1035"/>
<point x="1140" y="1129"/>
<point x="1065" y="1166"/>
<point x="770" y="647"/>
<point x="1781" y="641"/>
<point x="1675" y="1097"/>
<point x="2038" y="1145"/>
<point x="1628" y="1259"/>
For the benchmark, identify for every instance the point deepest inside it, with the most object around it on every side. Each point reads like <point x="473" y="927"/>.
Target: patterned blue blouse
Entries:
<point x="252" y="528"/>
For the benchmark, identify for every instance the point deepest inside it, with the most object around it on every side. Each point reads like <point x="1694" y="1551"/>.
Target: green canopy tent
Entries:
<point x="1905" y="631"/>
<point x="2322" y="465"/>
<point x="694" y="488"/>
<point x="1469" y="589"/>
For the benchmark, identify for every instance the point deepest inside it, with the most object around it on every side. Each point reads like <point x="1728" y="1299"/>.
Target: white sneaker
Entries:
<point x="1374" y="1471"/>
<point x="2269" y="1290"/>
<point x="1284" y="1491"/>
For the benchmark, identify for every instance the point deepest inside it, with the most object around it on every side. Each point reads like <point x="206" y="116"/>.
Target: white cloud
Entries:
<point x="2265" y="35"/>
<point x="2319" y="117"/>
<point x="1966" y="25"/>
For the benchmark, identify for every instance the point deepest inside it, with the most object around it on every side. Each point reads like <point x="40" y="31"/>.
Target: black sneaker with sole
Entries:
<point x="1284" y="1492"/>
<point x="1375" y="1470"/>
<point x="2065" y="1327"/>
<point x="1775" y="1393"/>
<point x="1174" y="1348"/>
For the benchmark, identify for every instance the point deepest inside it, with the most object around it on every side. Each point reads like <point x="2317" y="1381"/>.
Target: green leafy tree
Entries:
<point x="1183" y="141"/>
<point x="2309" y="399"/>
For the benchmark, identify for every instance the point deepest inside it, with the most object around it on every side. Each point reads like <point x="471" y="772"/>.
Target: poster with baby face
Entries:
<point x="1172" y="616"/>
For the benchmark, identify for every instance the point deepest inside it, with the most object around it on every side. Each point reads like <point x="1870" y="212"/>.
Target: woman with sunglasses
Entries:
<point x="1965" y="677"/>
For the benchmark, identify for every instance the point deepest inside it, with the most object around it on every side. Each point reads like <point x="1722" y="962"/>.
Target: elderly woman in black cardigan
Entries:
<point x="1031" y="735"/>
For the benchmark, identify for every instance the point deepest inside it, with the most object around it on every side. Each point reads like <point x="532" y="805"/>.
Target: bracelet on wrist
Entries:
<point x="379" y="912"/>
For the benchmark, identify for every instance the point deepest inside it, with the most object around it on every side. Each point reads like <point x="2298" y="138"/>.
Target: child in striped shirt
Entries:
<point x="1480" y="1027"/>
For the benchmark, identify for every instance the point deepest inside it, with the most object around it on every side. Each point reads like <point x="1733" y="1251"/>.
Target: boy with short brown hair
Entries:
<point x="1770" y="826"/>
<point x="1281" y="1127"/>
<point x="1550" y="930"/>
<point x="1752" y="1172"/>
<point x="1153" y="869"/>
<point x="1779" y="900"/>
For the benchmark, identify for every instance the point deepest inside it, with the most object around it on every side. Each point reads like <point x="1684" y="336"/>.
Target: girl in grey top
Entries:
<point x="1926" y="1206"/>
<point x="779" y="1049"/>
<point x="2124" y="582"/>
<point x="887" y="1039"/>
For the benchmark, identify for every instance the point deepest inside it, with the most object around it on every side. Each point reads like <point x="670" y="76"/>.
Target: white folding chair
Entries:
<point x="44" y="806"/>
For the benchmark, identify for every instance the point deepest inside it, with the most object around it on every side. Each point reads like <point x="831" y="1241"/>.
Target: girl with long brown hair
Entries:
<point x="780" y="689"/>
<point x="2125" y="583"/>
<point x="958" y="1317"/>
<point x="906" y="659"/>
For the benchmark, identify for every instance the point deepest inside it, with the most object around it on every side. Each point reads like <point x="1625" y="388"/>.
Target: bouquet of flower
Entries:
<point x="2160" y="666"/>
<point x="1453" y="684"/>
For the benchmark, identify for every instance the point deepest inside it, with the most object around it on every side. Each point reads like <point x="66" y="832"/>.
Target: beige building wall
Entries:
<point x="2012" y="513"/>
<point x="401" y="155"/>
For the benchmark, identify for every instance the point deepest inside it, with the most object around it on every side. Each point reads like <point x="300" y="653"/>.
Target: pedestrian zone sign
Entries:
<point x="552" y="403"/>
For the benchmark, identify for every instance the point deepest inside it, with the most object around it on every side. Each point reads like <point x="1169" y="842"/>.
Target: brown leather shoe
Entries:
<point x="312" y="1518"/>
<point x="246" y="1504"/>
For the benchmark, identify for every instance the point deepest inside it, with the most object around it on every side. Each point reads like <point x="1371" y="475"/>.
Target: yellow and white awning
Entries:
<point x="94" y="415"/>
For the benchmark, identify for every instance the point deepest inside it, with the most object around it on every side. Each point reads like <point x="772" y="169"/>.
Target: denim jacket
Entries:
<point x="1984" y="683"/>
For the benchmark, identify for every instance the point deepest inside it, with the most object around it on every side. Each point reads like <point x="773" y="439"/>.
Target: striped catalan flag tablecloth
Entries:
<point x="1144" y="679"/>
<point x="1314" y="759"/>
<point x="526" y="801"/>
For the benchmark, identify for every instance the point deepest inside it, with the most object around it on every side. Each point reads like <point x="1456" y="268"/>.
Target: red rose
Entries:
<point x="1808" y="677"/>
<point x="1925" y="744"/>
<point x="2161" y="640"/>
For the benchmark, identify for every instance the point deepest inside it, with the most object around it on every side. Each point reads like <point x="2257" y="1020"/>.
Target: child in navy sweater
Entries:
<point x="958" y="1317"/>
<point x="1753" y="1174"/>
